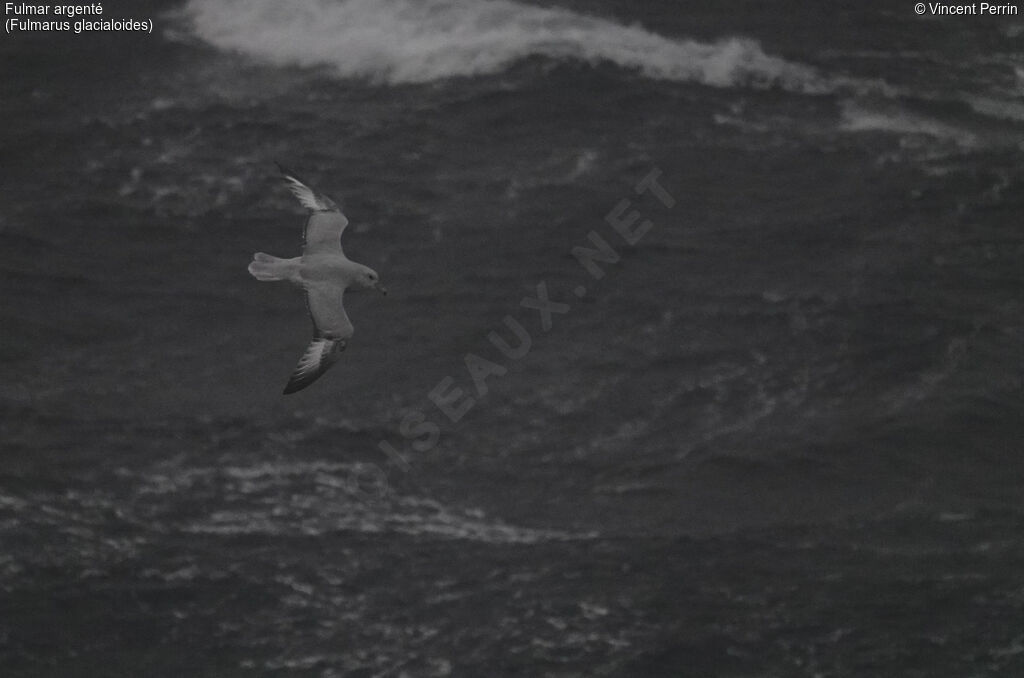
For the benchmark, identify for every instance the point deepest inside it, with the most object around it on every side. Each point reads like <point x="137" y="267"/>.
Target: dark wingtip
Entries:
<point x="301" y="381"/>
<point x="288" y="174"/>
<point x="296" y="383"/>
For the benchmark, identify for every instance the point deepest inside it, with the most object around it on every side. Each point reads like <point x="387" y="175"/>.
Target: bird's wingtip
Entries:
<point x="292" y="178"/>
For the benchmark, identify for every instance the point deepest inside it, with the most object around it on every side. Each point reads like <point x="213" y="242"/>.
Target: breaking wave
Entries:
<point x="405" y="41"/>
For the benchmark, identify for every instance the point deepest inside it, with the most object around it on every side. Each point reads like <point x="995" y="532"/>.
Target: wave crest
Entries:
<point x="404" y="41"/>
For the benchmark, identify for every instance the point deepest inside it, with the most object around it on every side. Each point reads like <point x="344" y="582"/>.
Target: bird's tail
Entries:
<point x="267" y="267"/>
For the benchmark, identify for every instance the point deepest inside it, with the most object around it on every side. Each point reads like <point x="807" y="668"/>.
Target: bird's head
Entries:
<point x="369" y="279"/>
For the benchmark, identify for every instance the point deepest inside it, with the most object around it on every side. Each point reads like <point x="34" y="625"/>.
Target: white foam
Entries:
<point x="313" y="498"/>
<point x="1004" y="109"/>
<point x="405" y="41"/>
<point x="858" y="117"/>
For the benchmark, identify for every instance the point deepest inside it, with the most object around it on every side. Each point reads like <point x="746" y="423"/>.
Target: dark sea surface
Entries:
<point x="781" y="436"/>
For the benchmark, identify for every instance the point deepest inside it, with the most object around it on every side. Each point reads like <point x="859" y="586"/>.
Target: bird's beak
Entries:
<point x="380" y="288"/>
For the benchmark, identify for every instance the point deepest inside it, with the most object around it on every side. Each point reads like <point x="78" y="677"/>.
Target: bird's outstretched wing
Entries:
<point x="321" y="353"/>
<point x="325" y="302"/>
<point x="331" y="332"/>
<point x="326" y="223"/>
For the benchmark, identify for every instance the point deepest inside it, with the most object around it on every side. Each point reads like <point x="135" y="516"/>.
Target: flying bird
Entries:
<point x="324" y="272"/>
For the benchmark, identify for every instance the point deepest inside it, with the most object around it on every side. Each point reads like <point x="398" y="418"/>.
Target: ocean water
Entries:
<point x="780" y="436"/>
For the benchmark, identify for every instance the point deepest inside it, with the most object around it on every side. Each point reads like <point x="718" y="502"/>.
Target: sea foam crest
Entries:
<point x="415" y="41"/>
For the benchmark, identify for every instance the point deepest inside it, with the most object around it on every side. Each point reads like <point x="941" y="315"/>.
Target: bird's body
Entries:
<point x="324" y="272"/>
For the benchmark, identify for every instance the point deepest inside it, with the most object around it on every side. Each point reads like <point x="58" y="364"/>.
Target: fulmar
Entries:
<point x="324" y="272"/>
